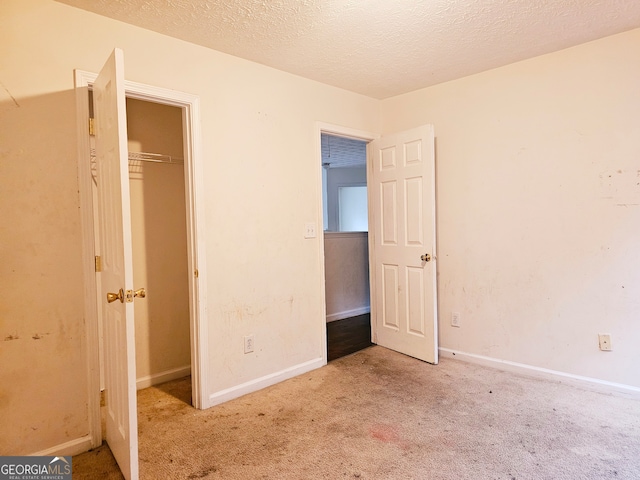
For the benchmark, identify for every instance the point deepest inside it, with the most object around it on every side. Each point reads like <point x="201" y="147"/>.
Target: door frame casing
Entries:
<point x="341" y="131"/>
<point x="194" y="191"/>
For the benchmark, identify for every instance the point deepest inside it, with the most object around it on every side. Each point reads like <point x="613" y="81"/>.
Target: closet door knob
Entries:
<point x="112" y="297"/>
<point x="141" y="292"/>
<point x="425" y="258"/>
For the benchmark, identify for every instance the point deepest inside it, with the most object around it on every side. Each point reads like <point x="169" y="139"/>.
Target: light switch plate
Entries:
<point x="310" y="230"/>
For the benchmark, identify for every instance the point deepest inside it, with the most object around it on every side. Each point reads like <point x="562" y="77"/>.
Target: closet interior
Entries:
<point x="159" y="242"/>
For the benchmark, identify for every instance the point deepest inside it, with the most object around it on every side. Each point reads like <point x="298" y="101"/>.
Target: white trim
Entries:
<point x="320" y="128"/>
<point x="72" y="447"/>
<point x="194" y="184"/>
<point x="190" y="105"/>
<point x="320" y="215"/>
<point x="340" y="131"/>
<point x="555" y="375"/>
<point x="166" y="376"/>
<point x="348" y="314"/>
<point x="373" y="284"/>
<point x="266" y="381"/>
<point x="88" y="261"/>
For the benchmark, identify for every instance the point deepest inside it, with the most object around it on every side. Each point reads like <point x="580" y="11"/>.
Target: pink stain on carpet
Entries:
<point x="386" y="433"/>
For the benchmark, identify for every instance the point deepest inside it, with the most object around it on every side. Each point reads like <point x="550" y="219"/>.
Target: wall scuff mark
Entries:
<point x="15" y="102"/>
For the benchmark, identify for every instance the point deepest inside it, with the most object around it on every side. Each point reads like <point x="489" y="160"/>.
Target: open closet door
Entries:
<point x="404" y="310"/>
<point x="117" y="266"/>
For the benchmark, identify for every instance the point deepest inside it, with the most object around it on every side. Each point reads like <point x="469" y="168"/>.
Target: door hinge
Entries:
<point x="92" y="129"/>
<point x="195" y="273"/>
<point x="98" y="263"/>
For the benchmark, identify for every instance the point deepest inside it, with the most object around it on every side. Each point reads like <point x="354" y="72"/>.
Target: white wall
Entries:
<point x="43" y="381"/>
<point x="337" y="177"/>
<point x="346" y="270"/>
<point x="533" y="252"/>
<point x="262" y="185"/>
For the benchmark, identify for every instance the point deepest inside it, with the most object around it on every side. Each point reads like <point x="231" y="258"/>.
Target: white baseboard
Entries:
<point x="263" y="382"/>
<point x="348" y="314"/>
<point x="72" y="447"/>
<point x="166" y="376"/>
<point x="555" y="375"/>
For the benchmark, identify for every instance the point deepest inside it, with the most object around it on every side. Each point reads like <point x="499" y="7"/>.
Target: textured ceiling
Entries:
<point x="379" y="48"/>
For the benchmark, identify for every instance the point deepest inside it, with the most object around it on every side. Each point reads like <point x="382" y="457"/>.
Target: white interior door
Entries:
<point x="404" y="310"/>
<point x="117" y="267"/>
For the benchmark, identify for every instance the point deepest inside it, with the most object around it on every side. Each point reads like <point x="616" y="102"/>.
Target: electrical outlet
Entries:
<point x="248" y="343"/>
<point x="455" y="319"/>
<point x="604" y="339"/>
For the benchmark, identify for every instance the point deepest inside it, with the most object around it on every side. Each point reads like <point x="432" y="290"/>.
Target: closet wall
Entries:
<point x="159" y="243"/>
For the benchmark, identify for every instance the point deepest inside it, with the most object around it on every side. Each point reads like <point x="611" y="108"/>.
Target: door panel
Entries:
<point x="414" y="224"/>
<point x="415" y="301"/>
<point x="390" y="296"/>
<point x="114" y="221"/>
<point x="403" y="198"/>
<point x="388" y="209"/>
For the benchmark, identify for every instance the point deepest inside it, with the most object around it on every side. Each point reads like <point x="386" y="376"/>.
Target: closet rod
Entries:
<point x="150" y="157"/>
<point x="155" y="157"/>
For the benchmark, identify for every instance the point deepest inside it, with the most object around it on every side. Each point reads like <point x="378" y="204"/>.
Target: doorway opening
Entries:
<point x="159" y="245"/>
<point x="166" y="180"/>
<point x="159" y="241"/>
<point x="345" y="242"/>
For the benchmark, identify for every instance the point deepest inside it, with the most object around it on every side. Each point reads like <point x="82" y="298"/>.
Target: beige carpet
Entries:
<point x="380" y="415"/>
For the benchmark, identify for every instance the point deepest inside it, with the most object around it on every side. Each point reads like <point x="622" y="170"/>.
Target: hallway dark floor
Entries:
<point x="348" y="336"/>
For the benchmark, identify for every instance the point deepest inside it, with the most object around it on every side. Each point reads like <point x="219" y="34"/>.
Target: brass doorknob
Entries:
<point x="112" y="297"/>
<point x="425" y="258"/>
<point x="141" y="292"/>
